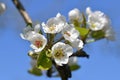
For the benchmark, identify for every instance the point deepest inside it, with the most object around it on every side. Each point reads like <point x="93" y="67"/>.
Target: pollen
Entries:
<point x="59" y="53"/>
<point x="52" y="28"/>
<point x="93" y="25"/>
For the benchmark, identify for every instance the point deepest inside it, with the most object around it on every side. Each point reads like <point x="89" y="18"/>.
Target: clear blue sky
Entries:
<point x="104" y="62"/>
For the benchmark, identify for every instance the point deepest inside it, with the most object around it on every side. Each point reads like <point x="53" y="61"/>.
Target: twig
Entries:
<point x="21" y="9"/>
<point x="80" y="53"/>
<point x="64" y="71"/>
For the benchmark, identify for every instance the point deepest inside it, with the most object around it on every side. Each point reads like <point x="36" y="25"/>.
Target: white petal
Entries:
<point x="88" y="10"/>
<point x="75" y="14"/>
<point x="68" y="50"/>
<point x="97" y="20"/>
<point x="55" y="24"/>
<point x="70" y="33"/>
<point x="58" y="62"/>
<point x="33" y="46"/>
<point x="22" y="36"/>
<point x="77" y="44"/>
<point x="37" y="28"/>
<point x="58" y="15"/>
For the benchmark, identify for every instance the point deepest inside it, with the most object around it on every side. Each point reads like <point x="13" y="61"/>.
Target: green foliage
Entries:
<point x="76" y="23"/>
<point x="83" y="31"/>
<point x="44" y="62"/>
<point x="35" y="71"/>
<point x="74" y="67"/>
<point x="97" y="34"/>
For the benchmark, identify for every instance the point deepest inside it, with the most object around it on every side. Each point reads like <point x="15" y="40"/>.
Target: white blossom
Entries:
<point x="70" y="33"/>
<point x="110" y="34"/>
<point x="77" y="43"/>
<point x="55" y="24"/>
<point x="37" y="28"/>
<point x="30" y="31"/>
<point x="96" y="20"/>
<point x="61" y="53"/>
<point x="38" y="42"/>
<point x="75" y="14"/>
<point x="2" y="8"/>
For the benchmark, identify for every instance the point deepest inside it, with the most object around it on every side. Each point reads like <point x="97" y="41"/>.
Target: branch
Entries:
<point x="64" y="71"/>
<point x="22" y="11"/>
<point x="80" y="53"/>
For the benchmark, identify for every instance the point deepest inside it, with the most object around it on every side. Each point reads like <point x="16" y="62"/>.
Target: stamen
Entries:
<point x="59" y="54"/>
<point x="38" y="43"/>
<point x="52" y="28"/>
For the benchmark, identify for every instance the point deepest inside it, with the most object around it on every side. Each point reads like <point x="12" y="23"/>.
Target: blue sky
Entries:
<point x="104" y="62"/>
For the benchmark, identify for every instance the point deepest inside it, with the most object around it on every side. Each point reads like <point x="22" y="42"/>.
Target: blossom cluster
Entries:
<point x="56" y="40"/>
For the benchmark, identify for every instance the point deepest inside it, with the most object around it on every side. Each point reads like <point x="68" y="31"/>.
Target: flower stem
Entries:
<point x="80" y="53"/>
<point x="22" y="11"/>
<point x="64" y="71"/>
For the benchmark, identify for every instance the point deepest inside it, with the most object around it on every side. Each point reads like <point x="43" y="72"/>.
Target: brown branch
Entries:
<point x="22" y="11"/>
<point x="80" y="53"/>
<point x="64" y="71"/>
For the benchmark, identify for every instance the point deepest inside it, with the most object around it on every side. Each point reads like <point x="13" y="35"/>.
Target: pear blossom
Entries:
<point x="30" y="31"/>
<point x="61" y="53"/>
<point x="77" y="43"/>
<point x="70" y="33"/>
<point x="2" y="8"/>
<point x="72" y="61"/>
<point x="38" y="42"/>
<point x="96" y="20"/>
<point x="37" y="27"/>
<point x="55" y="24"/>
<point x="75" y="14"/>
<point x="109" y="33"/>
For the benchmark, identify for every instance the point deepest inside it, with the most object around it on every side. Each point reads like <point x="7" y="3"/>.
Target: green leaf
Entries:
<point x="76" y="23"/>
<point x="44" y="62"/>
<point x="97" y="34"/>
<point x="83" y="31"/>
<point x="35" y="71"/>
<point x="74" y="67"/>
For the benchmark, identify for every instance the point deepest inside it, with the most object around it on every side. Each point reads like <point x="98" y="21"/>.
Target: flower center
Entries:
<point x="38" y="43"/>
<point x="67" y="33"/>
<point x="93" y="25"/>
<point x="59" y="54"/>
<point x="51" y="28"/>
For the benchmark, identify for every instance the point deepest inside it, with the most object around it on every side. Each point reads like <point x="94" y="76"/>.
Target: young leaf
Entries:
<point x="44" y="62"/>
<point x="76" y="23"/>
<point x="97" y="34"/>
<point x="35" y="71"/>
<point x="74" y="67"/>
<point x="83" y="31"/>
